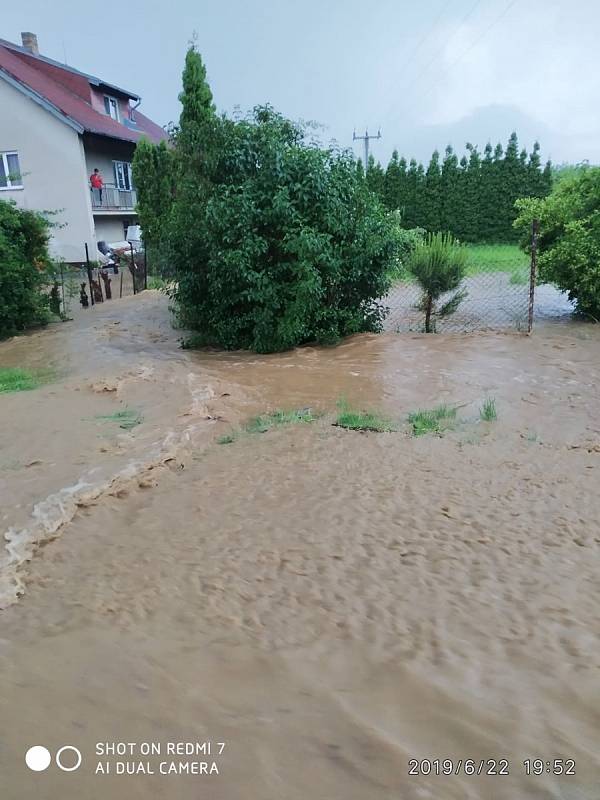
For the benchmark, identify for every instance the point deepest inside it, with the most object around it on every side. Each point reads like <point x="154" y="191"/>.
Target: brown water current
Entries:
<point x="328" y="604"/>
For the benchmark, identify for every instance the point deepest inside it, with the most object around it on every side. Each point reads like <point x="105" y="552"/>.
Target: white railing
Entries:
<point x="111" y="198"/>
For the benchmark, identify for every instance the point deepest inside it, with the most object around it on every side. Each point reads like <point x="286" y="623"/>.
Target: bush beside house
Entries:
<point x="23" y="258"/>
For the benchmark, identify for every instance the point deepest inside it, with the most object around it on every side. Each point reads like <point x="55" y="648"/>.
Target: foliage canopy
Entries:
<point x="23" y="258"/>
<point x="273" y="240"/>
<point x="569" y="240"/>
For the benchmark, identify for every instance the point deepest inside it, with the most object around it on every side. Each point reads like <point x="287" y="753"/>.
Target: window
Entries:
<point x="10" y="172"/>
<point x="112" y="107"/>
<point x="123" y="177"/>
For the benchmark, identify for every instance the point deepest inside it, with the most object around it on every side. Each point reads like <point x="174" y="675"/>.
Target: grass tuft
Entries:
<point x="127" y="419"/>
<point x="354" y="420"/>
<point x="15" y="379"/>
<point x="226" y="438"/>
<point x="488" y="412"/>
<point x="265" y="422"/>
<point x="433" y="420"/>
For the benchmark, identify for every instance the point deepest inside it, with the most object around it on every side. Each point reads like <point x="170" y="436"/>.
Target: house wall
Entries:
<point x="110" y="229"/>
<point x="101" y="151"/>
<point x="53" y="166"/>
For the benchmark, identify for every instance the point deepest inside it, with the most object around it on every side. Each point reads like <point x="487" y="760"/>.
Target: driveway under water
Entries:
<point x="329" y="604"/>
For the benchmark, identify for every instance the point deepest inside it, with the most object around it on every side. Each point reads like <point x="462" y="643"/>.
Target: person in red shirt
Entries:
<point x="96" y="182"/>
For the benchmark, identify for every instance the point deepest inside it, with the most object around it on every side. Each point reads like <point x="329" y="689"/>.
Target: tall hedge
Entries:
<point x="23" y="258"/>
<point x="472" y="197"/>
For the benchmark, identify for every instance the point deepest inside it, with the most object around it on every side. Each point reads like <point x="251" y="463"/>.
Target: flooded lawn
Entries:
<point x="327" y="603"/>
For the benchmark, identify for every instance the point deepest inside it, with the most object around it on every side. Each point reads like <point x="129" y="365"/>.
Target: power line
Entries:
<point x="425" y="36"/>
<point x="452" y="37"/>
<point x="471" y="46"/>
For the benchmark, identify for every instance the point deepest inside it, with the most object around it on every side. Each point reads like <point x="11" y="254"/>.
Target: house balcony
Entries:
<point x="113" y="200"/>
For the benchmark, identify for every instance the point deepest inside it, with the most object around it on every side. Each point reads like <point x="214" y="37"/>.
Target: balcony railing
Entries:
<point x="111" y="198"/>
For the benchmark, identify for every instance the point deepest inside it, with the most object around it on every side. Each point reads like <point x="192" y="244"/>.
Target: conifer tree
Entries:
<point x="509" y="189"/>
<point x="473" y="223"/>
<point x="534" y="182"/>
<point x="409" y="204"/>
<point x="449" y="193"/>
<point x="376" y="178"/>
<point x="392" y="189"/>
<point x="432" y="195"/>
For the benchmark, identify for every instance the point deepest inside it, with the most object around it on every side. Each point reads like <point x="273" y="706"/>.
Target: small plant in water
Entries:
<point x="439" y="264"/>
<point x="488" y="412"/>
<point x="127" y="419"/>
<point x="265" y="422"/>
<point x="15" y="379"/>
<point x="354" y="420"/>
<point x="433" y="420"/>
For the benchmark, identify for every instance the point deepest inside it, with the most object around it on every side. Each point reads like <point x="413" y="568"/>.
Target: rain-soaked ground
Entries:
<point x="328" y="604"/>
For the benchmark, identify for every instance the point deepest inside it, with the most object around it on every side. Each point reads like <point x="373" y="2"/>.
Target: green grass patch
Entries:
<point x="488" y="412"/>
<point x="433" y="420"/>
<point x="484" y="258"/>
<point x="127" y="419"/>
<point x="355" y="420"/>
<point x="227" y="438"/>
<point x="265" y="422"/>
<point x="520" y="276"/>
<point x="156" y="282"/>
<point x="15" y="379"/>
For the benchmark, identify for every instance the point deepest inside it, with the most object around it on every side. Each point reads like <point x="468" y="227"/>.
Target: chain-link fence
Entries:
<point x="499" y="292"/>
<point x="493" y="300"/>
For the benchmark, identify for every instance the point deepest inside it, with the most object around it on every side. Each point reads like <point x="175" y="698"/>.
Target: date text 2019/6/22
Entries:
<point x="489" y="766"/>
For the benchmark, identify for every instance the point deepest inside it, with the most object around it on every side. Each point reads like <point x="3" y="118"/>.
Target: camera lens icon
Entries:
<point x="38" y="758"/>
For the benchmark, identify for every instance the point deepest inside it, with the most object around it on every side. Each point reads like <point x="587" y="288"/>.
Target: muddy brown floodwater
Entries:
<point x="328" y="604"/>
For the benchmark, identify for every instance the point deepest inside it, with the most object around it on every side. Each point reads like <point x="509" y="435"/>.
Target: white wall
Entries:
<point x="53" y="166"/>
<point x="110" y="229"/>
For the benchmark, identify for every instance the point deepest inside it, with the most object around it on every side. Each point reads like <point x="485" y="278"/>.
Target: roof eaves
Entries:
<point x="95" y="81"/>
<point x="42" y="101"/>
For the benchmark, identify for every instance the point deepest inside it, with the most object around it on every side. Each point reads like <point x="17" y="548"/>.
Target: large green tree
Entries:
<point x="273" y="240"/>
<point x="569" y="238"/>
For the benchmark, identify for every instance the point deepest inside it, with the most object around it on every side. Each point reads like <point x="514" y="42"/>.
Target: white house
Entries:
<point x="57" y="125"/>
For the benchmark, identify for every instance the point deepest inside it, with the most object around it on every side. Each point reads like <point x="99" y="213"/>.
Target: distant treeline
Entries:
<point x="473" y="198"/>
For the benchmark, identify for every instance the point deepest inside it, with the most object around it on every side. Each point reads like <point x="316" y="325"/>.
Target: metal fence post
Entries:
<point x="133" y="269"/>
<point x="89" y="273"/>
<point x="535" y="226"/>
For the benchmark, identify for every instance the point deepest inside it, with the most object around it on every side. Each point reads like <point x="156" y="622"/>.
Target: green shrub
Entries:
<point x="406" y="240"/>
<point x="439" y="265"/>
<point x="273" y="241"/>
<point x="23" y="259"/>
<point x="569" y="239"/>
<point x="291" y="246"/>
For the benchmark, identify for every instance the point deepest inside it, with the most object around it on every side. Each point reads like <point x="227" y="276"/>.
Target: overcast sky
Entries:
<point x="429" y="72"/>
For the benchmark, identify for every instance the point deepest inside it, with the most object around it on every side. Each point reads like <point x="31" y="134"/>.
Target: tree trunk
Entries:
<point x="428" y="310"/>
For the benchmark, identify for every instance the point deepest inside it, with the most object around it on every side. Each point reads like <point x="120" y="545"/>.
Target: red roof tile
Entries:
<point x="64" y="90"/>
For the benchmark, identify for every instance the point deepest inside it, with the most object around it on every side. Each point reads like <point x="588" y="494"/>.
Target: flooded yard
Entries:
<point x="329" y="604"/>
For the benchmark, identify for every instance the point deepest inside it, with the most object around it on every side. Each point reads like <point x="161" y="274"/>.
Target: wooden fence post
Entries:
<point x="535" y="226"/>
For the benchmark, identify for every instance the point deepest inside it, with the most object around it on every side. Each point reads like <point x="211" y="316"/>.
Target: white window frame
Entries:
<point x="10" y="185"/>
<point x="112" y="103"/>
<point x="127" y="175"/>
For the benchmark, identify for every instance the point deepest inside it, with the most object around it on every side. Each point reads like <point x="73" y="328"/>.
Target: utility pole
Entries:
<point x="366" y="138"/>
